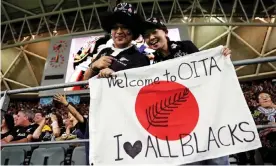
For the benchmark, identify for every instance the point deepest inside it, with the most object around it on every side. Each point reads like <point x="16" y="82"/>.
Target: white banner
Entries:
<point x="174" y="112"/>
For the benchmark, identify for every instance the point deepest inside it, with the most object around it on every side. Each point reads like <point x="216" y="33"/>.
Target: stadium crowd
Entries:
<point x="66" y="121"/>
<point x="32" y="122"/>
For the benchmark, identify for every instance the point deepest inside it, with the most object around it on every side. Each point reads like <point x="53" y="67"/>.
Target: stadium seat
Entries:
<point x="26" y="148"/>
<point x="233" y="160"/>
<point x="65" y="146"/>
<point x="79" y="156"/>
<point x="28" y="151"/>
<point x="48" y="156"/>
<point x="12" y="156"/>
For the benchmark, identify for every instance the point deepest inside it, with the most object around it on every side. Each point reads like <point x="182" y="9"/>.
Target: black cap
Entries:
<point x="125" y="14"/>
<point x="154" y="23"/>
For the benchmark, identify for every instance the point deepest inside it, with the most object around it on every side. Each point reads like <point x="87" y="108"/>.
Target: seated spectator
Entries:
<point x="56" y="123"/>
<point x="7" y="125"/>
<point x="44" y="132"/>
<point x="23" y="132"/>
<point x="77" y="123"/>
<point x="266" y="114"/>
<point x="267" y="108"/>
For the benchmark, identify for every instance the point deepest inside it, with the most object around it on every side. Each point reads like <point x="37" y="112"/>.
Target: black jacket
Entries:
<point x="176" y="49"/>
<point x="129" y="58"/>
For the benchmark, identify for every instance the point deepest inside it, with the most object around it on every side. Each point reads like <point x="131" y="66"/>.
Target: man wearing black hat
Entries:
<point x="155" y="34"/>
<point x="122" y="24"/>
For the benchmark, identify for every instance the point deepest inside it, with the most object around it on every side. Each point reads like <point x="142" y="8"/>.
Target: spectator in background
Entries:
<point x="23" y="132"/>
<point x="44" y="132"/>
<point x="267" y="107"/>
<point x="252" y="89"/>
<point x="7" y="125"/>
<point x="266" y="114"/>
<point x="78" y="121"/>
<point x="56" y="123"/>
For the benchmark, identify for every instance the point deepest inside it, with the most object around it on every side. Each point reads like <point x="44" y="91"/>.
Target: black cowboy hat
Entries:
<point x="153" y="23"/>
<point x="123" y="13"/>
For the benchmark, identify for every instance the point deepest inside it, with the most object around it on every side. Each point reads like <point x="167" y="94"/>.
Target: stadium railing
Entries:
<point x="49" y="87"/>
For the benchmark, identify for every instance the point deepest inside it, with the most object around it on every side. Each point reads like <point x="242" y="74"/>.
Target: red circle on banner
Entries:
<point x="167" y="110"/>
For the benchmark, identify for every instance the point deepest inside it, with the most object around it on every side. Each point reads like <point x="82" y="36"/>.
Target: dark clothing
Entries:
<point x="176" y="49"/>
<point x="126" y="59"/>
<point x="62" y="130"/>
<point x="86" y="136"/>
<point x="20" y="132"/>
<point x="5" y="134"/>
<point x="129" y="58"/>
<point x="79" y="129"/>
<point x="179" y="49"/>
<point x="44" y="136"/>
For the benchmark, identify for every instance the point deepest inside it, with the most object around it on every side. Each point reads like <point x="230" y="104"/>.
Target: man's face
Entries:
<point x="121" y="36"/>
<point x="21" y="118"/>
<point x="38" y="117"/>
<point x="156" y="39"/>
<point x="265" y="100"/>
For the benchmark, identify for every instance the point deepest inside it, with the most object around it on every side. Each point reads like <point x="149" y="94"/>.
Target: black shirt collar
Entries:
<point x="173" y="47"/>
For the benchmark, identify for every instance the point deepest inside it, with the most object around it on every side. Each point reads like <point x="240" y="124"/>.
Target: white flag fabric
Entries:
<point x="174" y="112"/>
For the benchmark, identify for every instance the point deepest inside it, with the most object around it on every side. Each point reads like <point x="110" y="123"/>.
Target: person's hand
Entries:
<point x="61" y="98"/>
<point x="53" y="117"/>
<point x="226" y="51"/>
<point x="105" y="73"/>
<point x="150" y="56"/>
<point x="102" y="63"/>
<point x="70" y="126"/>
<point x="42" y="122"/>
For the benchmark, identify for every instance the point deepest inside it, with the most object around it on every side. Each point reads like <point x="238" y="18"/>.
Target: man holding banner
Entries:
<point x="155" y="34"/>
<point x="122" y="54"/>
<point x="122" y="24"/>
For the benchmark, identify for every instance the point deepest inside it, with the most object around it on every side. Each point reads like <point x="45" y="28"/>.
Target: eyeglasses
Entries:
<point x="116" y="27"/>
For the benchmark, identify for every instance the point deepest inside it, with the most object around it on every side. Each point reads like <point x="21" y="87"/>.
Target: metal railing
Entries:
<point x="49" y="87"/>
<point x="86" y="140"/>
<point x="79" y="83"/>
